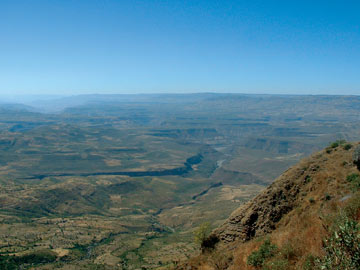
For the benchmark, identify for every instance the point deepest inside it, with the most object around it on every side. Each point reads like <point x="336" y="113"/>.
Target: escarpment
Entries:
<point x="295" y="214"/>
<point x="260" y="215"/>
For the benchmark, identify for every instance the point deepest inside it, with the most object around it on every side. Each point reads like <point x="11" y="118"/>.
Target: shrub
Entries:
<point x="266" y="251"/>
<point x="347" y="146"/>
<point x="334" y="145"/>
<point x="312" y="200"/>
<point x="342" y="248"/>
<point x="308" y="179"/>
<point x="337" y="143"/>
<point x="201" y="236"/>
<point x="354" y="179"/>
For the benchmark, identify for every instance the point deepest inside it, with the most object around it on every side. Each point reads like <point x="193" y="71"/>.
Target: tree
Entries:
<point x="201" y="233"/>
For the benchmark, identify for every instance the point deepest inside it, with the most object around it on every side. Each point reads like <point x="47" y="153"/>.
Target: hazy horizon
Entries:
<point x="54" y="96"/>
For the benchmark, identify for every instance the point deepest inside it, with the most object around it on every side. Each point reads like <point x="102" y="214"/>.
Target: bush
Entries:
<point x="347" y="146"/>
<point x="201" y="234"/>
<point x="342" y="248"/>
<point x="258" y="258"/>
<point x="337" y="143"/>
<point x="354" y="179"/>
<point x="334" y="145"/>
<point x="308" y="179"/>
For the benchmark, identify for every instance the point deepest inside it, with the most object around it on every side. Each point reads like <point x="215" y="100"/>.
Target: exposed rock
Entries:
<point x="260" y="215"/>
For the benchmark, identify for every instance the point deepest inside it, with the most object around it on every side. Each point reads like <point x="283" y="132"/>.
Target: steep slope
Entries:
<point x="295" y="213"/>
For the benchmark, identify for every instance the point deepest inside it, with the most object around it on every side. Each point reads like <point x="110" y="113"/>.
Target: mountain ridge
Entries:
<point x="296" y="211"/>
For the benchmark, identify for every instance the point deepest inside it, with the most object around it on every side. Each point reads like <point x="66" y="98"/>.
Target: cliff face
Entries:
<point x="295" y="210"/>
<point x="260" y="215"/>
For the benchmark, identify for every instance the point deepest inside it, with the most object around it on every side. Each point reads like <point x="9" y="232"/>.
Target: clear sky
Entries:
<point x="153" y="46"/>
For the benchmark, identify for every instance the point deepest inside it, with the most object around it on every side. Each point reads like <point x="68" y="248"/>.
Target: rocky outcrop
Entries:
<point x="260" y="215"/>
<point x="295" y="211"/>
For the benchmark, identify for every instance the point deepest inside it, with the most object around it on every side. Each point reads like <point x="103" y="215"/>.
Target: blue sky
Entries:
<point x="118" y="46"/>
